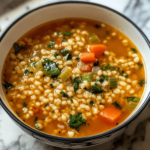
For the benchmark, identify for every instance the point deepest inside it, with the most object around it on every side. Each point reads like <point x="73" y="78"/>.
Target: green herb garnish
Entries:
<point x="91" y="103"/>
<point x="24" y="104"/>
<point x="31" y="60"/>
<point x="140" y="65"/>
<point x="36" y="125"/>
<point x="51" y="85"/>
<point x="65" y="52"/>
<point x="68" y="57"/>
<point x="134" y="50"/>
<point x="50" y="67"/>
<point x="97" y="26"/>
<point x="76" y="82"/>
<point x="95" y="89"/>
<point x="27" y="72"/>
<point x="142" y="82"/>
<point x="51" y="45"/>
<point x="75" y="121"/>
<point x="66" y="33"/>
<point x="107" y="67"/>
<point x="17" y="48"/>
<point x="133" y="99"/>
<point x="122" y="72"/>
<point x="71" y="99"/>
<point x="103" y="78"/>
<point x="64" y="94"/>
<point x="64" y="40"/>
<point x="36" y="119"/>
<point x="116" y="105"/>
<point x="7" y="85"/>
<point x="126" y="76"/>
<point x="96" y="63"/>
<point x="56" y="54"/>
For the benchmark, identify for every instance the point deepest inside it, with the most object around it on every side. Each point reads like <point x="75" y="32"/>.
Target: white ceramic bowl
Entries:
<point x="79" y="10"/>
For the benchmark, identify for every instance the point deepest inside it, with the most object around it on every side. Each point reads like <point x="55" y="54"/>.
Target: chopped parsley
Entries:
<point x="91" y="103"/>
<point x="34" y="64"/>
<point x="71" y="108"/>
<point x="75" y="121"/>
<point x="50" y="68"/>
<point x="107" y="67"/>
<point x="134" y="50"/>
<point x="64" y="94"/>
<point x="24" y="104"/>
<point x="133" y="99"/>
<point x="103" y="78"/>
<point x="17" y="48"/>
<point x="95" y="89"/>
<point x="36" y="119"/>
<point x="31" y="60"/>
<point x="51" y="85"/>
<point x="97" y="26"/>
<point x="56" y="54"/>
<point x="116" y="105"/>
<point x="118" y="68"/>
<point x="36" y="125"/>
<point x="122" y="72"/>
<point x="77" y="58"/>
<point x="71" y="100"/>
<point x="68" y="57"/>
<point x="142" y="82"/>
<point x="7" y="85"/>
<point x="64" y="40"/>
<point x="52" y="111"/>
<point x="65" y="52"/>
<point x="27" y="72"/>
<point x="107" y="32"/>
<point x="126" y="76"/>
<point x="76" y="82"/>
<point x="96" y="63"/>
<point x="51" y="45"/>
<point x="140" y="65"/>
<point x="66" y="33"/>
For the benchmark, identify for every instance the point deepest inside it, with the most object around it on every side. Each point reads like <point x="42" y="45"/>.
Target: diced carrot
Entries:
<point x="98" y="50"/>
<point x="36" y="110"/>
<point x="86" y="66"/>
<point x="86" y="57"/>
<point x="110" y="114"/>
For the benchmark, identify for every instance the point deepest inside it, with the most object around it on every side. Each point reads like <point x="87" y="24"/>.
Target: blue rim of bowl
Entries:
<point x="80" y="139"/>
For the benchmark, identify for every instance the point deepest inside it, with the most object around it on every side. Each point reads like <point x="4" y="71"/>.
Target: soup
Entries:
<point x="73" y="77"/>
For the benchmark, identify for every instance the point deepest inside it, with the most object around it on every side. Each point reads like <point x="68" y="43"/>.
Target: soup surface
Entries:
<point x="73" y="77"/>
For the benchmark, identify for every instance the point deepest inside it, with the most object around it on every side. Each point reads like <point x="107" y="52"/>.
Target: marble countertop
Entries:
<point x="136" y="137"/>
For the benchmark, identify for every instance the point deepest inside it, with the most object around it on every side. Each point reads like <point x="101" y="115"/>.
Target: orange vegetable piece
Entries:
<point x="86" y="66"/>
<point x="86" y="57"/>
<point x="110" y="114"/>
<point x="36" y="110"/>
<point x="98" y="50"/>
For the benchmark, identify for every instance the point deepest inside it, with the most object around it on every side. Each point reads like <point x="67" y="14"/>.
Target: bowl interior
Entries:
<point x="77" y="10"/>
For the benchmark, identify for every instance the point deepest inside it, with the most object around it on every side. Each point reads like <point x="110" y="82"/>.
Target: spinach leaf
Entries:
<point x="51" y="85"/>
<point x="76" y="82"/>
<point x="27" y="72"/>
<point x="18" y="48"/>
<point x="75" y="121"/>
<point x="140" y="65"/>
<point x="134" y="50"/>
<point x="64" y="40"/>
<point x="103" y="78"/>
<point x="142" y="82"/>
<point x="71" y="100"/>
<point x="7" y="85"/>
<point x="50" y="68"/>
<point x="66" y="33"/>
<point x="36" y="125"/>
<point x="95" y="89"/>
<point x="56" y="54"/>
<point x="65" y="52"/>
<point x="133" y="99"/>
<point x="126" y="76"/>
<point x="51" y="45"/>
<point x="122" y="72"/>
<point x="91" y="103"/>
<point x="116" y="105"/>
<point x="107" y="67"/>
<point x="36" y="119"/>
<point x="64" y="94"/>
<point x="69" y="57"/>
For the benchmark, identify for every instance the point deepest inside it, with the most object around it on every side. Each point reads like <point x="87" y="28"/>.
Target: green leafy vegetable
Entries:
<point x="64" y="94"/>
<point x="103" y="78"/>
<point x="140" y="65"/>
<point x="17" y="48"/>
<point x="76" y="82"/>
<point x="71" y="100"/>
<point x="91" y="103"/>
<point x="78" y="58"/>
<point x="95" y="89"/>
<point x="133" y="99"/>
<point x="122" y="72"/>
<point x="126" y="76"/>
<point x="116" y="105"/>
<point x="56" y="54"/>
<point x="69" y="57"/>
<point x="36" y="119"/>
<point x="66" y="33"/>
<point x="107" y="67"/>
<point x="142" y="82"/>
<point x="134" y="50"/>
<point x="51" y="85"/>
<point x="51" y="45"/>
<point x="52" y="111"/>
<point x="64" y="40"/>
<point x="107" y="32"/>
<point x="87" y="77"/>
<point x="34" y="64"/>
<point x="36" y="125"/>
<point x="31" y="60"/>
<point x="50" y="68"/>
<point x="96" y="63"/>
<point x="64" y="52"/>
<point x="24" y="104"/>
<point x="7" y="85"/>
<point x="75" y="121"/>
<point x="27" y="72"/>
